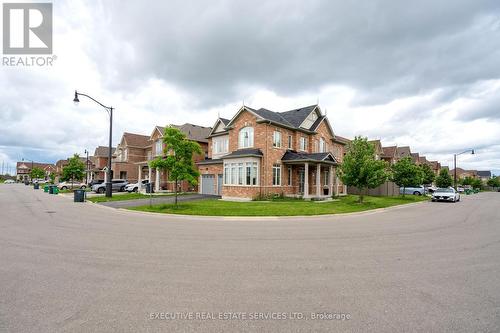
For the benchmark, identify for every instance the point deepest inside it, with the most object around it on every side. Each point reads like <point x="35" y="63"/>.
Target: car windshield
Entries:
<point x="447" y="190"/>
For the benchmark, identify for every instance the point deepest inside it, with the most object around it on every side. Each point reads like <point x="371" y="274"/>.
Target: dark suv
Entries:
<point x="116" y="185"/>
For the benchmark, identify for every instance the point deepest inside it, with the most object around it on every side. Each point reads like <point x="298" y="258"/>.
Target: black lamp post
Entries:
<point x="109" y="109"/>
<point x="455" y="165"/>
<point x="87" y="171"/>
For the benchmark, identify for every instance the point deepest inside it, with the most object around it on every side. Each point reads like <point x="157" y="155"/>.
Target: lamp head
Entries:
<point x="76" y="100"/>
<point x="473" y="152"/>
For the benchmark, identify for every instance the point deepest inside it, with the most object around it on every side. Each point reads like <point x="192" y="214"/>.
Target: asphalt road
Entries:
<point x="64" y="266"/>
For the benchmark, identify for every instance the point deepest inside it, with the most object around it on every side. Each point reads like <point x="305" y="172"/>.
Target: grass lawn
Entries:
<point x="215" y="207"/>
<point x="128" y="196"/>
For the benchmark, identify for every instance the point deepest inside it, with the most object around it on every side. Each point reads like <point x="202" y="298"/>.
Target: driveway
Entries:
<point x="76" y="267"/>
<point x="158" y="199"/>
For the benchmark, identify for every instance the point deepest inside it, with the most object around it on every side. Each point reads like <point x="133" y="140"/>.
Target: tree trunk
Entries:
<point x="404" y="191"/>
<point x="176" y="192"/>
<point x="361" y="195"/>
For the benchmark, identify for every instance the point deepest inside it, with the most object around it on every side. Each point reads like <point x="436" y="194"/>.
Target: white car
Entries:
<point x="135" y="186"/>
<point x="68" y="185"/>
<point x="446" y="194"/>
<point x="9" y="181"/>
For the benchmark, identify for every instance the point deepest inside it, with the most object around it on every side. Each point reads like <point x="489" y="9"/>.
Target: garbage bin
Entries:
<point x="46" y="188"/>
<point x="26" y="182"/>
<point x="149" y="188"/>
<point x="79" y="195"/>
<point x="51" y="189"/>
<point x="36" y="186"/>
<point x="55" y="190"/>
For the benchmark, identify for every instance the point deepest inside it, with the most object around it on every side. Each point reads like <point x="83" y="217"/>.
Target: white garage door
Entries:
<point x="208" y="184"/>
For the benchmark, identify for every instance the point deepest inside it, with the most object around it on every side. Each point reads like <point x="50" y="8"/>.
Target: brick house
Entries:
<point x="132" y="148"/>
<point x="60" y="164"/>
<point x="389" y="154"/>
<point x="99" y="162"/>
<point x="159" y="178"/>
<point x="262" y="152"/>
<point x="23" y="169"/>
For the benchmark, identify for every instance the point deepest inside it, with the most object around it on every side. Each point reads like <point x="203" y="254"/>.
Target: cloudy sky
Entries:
<point x="423" y="73"/>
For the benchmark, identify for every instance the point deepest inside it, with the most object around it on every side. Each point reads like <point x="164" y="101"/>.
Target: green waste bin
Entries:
<point x="36" y="186"/>
<point x="46" y="188"/>
<point x="79" y="195"/>
<point x="55" y="190"/>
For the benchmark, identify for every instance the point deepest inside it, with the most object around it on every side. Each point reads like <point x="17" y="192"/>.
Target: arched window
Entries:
<point x="246" y="137"/>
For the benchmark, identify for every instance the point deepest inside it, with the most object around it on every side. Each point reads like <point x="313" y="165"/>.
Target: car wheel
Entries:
<point x="64" y="188"/>
<point x="136" y="189"/>
<point x="101" y="190"/>
<point x="122" y="189"/>
<point x="416" y="193"/>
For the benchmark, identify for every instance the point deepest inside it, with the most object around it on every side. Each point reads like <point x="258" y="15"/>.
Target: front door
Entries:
<point x="301" y="181"/>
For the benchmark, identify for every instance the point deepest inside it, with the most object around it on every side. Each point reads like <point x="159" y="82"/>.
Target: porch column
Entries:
<point x="139" y="179"/>
<point x="336" y="187"/>
<point x="157" y="182"/>
<point x="306" y="180"/>
<point x="318" y="180"/>
<point x="330" y="181"/>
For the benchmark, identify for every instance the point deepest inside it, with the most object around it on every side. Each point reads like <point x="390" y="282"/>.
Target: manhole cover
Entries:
<point x="50" y="211"/>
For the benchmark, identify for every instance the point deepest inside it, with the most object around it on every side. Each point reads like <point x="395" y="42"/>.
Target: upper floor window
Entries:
<point x="303" y="143"/>
<point x="125" y="155"/>
<point x="277" y="139"/>
<point x="322" y="145"/>
<point x="290" y="142"/>
<point x="220" y="145"/>
<point x="159" y="147"/>
<point x="246" y="137"/>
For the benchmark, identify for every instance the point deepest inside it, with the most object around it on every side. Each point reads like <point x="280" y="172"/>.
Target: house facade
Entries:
<point x="132" y="148"/>
<point x="23" y="169"/>
<point x="160" y="178"/>
<point x="99" y="163"/>
<point x="262" y="152"/>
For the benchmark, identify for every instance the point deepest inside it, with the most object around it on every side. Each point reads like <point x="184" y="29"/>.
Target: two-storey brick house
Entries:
<point x="262" y="152"/>
<point x="132" y="149"/>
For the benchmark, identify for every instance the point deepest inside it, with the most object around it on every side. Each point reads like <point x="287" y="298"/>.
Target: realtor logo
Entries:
<point x="27" y="28"/>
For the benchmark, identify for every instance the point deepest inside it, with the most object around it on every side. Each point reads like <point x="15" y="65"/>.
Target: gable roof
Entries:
<point x="484" y="173"/>
<point x="102" y="151"/>
<point x="389" y="152"/>
<point x="291" y="119"/>
<point x="292" y="155"/>
<point x="27" y="165"/>
<point x="195" y="132"/>
<point x="219" y="121"/>
<point x="403" y="152"/>
<point x="136" y="140"/>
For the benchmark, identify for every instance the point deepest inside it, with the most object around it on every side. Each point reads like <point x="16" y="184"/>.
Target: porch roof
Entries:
<point x="292" y="156"/>
<point x="250" y="152"/>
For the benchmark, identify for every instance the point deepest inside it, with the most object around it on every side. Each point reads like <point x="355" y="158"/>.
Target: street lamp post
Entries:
<point x="455" y="165"/>
<point x="109" y="109"/>
<point x="87" y="165"/>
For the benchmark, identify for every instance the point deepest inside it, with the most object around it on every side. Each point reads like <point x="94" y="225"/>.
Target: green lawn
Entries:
<point x="127" y="196"/>
<point x="215" y="207"/>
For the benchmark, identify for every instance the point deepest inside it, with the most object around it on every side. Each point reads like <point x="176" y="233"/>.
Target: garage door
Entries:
<point x="208" y="184"/>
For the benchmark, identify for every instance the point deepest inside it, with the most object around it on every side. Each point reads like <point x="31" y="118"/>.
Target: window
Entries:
<point x="326" y="175"/>
<point x="290" y="142"/>
<point x="290" y="176"/>
<point x="276" y="139"/>
<point x="276" y="174"/>
<point x="244" y="173"/>
<point x="309" y="121"/>
<point x="246" y="137"/>
<point x="303" y="143"/>
<point x="322" y="145"/>
<point x="159" y="147"/>
<point x="220" y="145"/>
<point x="124" y="156"/>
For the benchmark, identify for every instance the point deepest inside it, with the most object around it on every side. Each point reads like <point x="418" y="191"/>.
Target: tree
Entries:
<point x="428" y="175"/>
<point x="74" y="170"/>
<point x="52" y="178"/>
<point x="37" y="173"/>
<point x="466" y="181"/>
<point x="494" y="182"/>
<point x="360" y="168"/>
<point x="177" y="158"/>
<point x="444" y="179"/>
<point x="405" y="173"/>
<point x="476" y="183"/>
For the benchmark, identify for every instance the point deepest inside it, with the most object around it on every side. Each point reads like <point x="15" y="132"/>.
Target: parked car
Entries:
<point x="116" y="185"/>
<point x="446" y="194"/>
<point x="135" y="186"/>
<point x="419" y="190"/>
<point x="69" y="185"/>
<point x="9" y="181"/>
<point x="430" y="189"/>
<point x="96" y="182"/>
<point x="41" y="181"/>
<point x="460" y="189"/>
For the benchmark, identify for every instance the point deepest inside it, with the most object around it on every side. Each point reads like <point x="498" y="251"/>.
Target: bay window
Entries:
<point x="241" y="173"/>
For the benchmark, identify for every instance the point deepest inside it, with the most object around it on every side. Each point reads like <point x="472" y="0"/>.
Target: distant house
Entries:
<point x="462" y="173"/>
<point x="131" y="149"/>
<point x="389" y="154"/>
<point x="379" y="152"/>
<point x="100" y="162"/>
<point x="484" y="175"/>
<point x="402" y="152"/>
<point x="23" y="169"/>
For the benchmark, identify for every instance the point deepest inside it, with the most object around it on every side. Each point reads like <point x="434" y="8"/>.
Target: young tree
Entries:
<point x="405" y="173"/>
<point x="74" y="170"/>
<point x="466" y="181"/>
<point x="444" y="179"/>
<point x="360" y="168"/>
<point x="494" y="182"/>
<point x="476" y="183"/>
<point x="37" y="173"/>
<point x="177" y="158"/>
<point x="428" y="175"/>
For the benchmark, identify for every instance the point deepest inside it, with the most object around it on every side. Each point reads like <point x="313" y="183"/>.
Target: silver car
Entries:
<point x="446" y="194"/>
<point x="116" y="185"/>
<point x="418" y="190"/>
